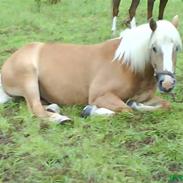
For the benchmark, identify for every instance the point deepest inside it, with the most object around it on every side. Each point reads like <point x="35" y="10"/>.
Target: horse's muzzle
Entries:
<point x="166" y="81"/>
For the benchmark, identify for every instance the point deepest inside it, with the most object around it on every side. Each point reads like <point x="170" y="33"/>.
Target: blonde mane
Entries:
<point x="135" y="45"/>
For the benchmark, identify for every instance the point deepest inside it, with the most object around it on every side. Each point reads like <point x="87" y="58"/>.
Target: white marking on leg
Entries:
<point x="114" y="21"/>
<point x="101" y="111"/>
<point x="3" y="96"/>
<point x="133" y="23"/>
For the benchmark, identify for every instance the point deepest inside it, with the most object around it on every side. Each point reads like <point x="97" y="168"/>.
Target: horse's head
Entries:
<point x="164" y="44"/>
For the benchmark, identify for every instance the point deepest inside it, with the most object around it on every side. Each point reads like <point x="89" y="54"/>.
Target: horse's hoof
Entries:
<point x="60" y="119"/>
<point x="126" y="22"/>
<point x="65" y="120"/>
<point x="88" y="110"/>
<point x="53" y="108"/>
<point x="132" y="104"/>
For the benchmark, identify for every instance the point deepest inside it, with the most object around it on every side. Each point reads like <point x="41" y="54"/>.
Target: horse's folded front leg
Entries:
<point x="154" y="103"/>
<point x="106" y="104"/>
<point x="162" y="103"/>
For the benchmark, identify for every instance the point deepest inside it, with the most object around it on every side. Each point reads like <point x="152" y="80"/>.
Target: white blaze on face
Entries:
<point x="167" y="51"/>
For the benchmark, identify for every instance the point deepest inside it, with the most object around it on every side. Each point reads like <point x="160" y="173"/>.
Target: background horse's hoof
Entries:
<point x="127" y="22"/>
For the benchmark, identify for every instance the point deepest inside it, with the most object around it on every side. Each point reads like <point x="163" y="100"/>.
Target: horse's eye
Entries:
<point x="154" y="49"/>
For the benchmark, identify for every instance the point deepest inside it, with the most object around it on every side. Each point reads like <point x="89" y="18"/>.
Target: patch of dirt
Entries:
<point x="133" y="145"/>
<point x="175" y="167"/>
<point x="160" y="176"/>
<point x="4" y="139"/>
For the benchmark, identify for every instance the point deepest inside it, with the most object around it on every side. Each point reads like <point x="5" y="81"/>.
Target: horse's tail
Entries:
<point x="3" y="96"/>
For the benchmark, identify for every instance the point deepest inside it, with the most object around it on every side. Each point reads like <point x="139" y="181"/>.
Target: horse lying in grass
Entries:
<point x="114" y="76"/>
<point x="132" y="10"/>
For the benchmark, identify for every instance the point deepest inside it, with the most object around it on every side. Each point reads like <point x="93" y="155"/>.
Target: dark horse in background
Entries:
<point x="132" y="10"/>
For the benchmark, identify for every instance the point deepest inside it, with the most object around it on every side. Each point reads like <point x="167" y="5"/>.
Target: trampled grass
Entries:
<point x="127" y="148"/>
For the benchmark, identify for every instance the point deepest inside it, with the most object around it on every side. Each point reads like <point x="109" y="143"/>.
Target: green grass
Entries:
<point x="128" y="148"/>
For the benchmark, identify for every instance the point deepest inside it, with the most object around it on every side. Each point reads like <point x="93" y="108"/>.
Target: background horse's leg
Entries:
<point x="133" y="7"/>
<point x="131" y="11"/>
<point x="150" y="5"/>
<point x="162" y="6"/>
<point x="115" y="11"/>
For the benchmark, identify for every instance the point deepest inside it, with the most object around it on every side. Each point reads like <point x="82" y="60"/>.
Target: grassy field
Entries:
<point x="127" y="148"/>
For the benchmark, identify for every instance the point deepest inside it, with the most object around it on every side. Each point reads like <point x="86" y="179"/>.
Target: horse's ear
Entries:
<point x="152" y="24"/>
<point x="175" y="21"/>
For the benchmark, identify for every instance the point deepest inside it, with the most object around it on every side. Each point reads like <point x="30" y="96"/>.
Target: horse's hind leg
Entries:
<point x="32" y="97"/>
<point x="26" y="85"/>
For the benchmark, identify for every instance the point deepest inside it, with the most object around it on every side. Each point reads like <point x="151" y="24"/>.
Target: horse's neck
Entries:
<point x="148" y="73"/>
<point x="109" y="47"/>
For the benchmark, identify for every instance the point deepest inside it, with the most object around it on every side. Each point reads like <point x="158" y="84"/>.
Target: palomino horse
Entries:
<point x="114" y="76"/>
<point x="133" y="8"/>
